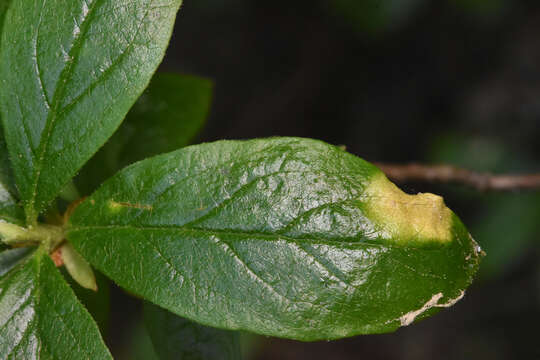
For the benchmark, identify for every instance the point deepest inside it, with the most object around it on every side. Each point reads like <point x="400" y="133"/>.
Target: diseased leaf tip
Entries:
<point x="402" y="218"/>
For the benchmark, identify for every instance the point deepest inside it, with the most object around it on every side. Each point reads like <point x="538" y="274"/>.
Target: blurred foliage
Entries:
<point x="506" y="224"/>
<point x="96" y="302"/>
<point x="168" y="115"/>
<point x="374" y="16"/>
<point x="481" y="7"/>
<point x="381" y="16"/>
<point x="176" y="337"/>
<point x="139" y="345"/>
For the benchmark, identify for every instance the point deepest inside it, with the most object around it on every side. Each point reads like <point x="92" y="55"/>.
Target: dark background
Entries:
<point x="446" y="81"/>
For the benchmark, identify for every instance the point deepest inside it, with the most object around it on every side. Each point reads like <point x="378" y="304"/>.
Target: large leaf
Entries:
<point x="286" y="237"/>
<point x="69" y="72"/>
<point x="40" y="317"/>
<point x="96" y="302"/>
<point x="178" y="338"/>
<point x="167" y="116"/>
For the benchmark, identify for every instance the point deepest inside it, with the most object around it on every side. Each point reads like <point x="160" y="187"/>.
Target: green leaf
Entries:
<point x="139" y="346"/>
<point x="69" y="72"/>
<point x="97" y="302"/>
<point x="40" y="317"/>
<point x="286" y="237"/>
<point x="78" y="267"/>
<point x="10" y="209"/>
<point x="167" y="116"/>
<point x="4" y="4"/>
<point x="177" y="338"/>
<point x="10" y="258"/>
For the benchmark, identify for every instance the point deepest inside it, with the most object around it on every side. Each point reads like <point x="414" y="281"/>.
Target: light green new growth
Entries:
<point x="77" y="267"/>
<point x="48" y="236"/>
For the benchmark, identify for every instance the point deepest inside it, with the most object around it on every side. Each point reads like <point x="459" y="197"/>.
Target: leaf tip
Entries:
<point x="78" y="267"/>
<point x="405" y="217"/>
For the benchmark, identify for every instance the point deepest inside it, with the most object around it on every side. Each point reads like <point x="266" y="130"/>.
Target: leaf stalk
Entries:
<point x="48" y="236"/>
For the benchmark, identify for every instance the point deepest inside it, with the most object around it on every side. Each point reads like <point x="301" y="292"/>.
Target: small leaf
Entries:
<point x="40" y="317"/>
<point x="78" y="268"/>
<point x="177" y="338"/>
<point x="69" y="72"/>
<point x="167" y="116"/>
<point x="286" y="237"/>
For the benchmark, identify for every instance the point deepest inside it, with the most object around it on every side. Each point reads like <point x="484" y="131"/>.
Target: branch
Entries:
<point x="452" y="174"/>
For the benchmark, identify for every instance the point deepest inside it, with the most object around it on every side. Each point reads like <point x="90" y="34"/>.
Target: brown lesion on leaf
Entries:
<point x="201" y="207"/>
<point x="114" y="205"/>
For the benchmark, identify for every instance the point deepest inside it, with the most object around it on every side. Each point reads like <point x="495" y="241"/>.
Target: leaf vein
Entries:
<point x="167" y="261"/>
<point x="109" y="70"/>
<point x="227" y="249"/>
<point x="21" y="306"/>
<point x="300" y="217"/>
<point x="70" y="331"/>
<point x="36" y="59"/>
<point x="213" y="232"/>
<point x="25" y="335"/>
<point x="58" y="94"/>
<point x="343" y="281"/>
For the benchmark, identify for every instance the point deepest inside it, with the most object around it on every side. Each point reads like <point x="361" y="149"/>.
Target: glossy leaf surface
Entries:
<point x="167" y="116"/>
<point x="178" y="338"/>
<point x="10" y="208"/>
<point x="40" y="317"/>
<point x="69" y="72"/>
<point x="286" y="237"/>
<point x="10" y="258"/>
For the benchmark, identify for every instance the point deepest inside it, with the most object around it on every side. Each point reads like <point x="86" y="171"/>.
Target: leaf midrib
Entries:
<point x="243" y="234"/>
<point x="55" y="103"/>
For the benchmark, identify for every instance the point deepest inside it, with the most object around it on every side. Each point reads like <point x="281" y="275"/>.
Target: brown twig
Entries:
<point x="452" y="174"/>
